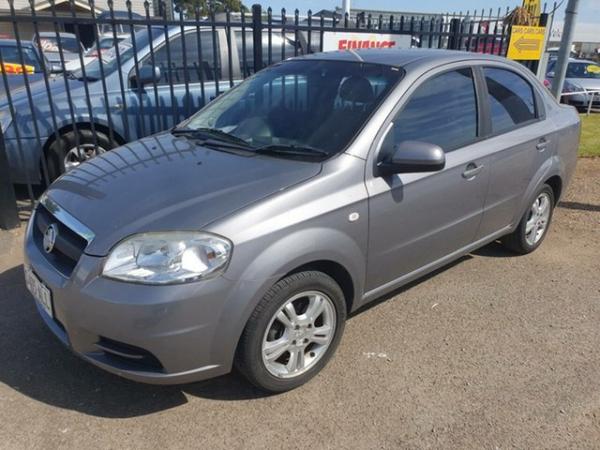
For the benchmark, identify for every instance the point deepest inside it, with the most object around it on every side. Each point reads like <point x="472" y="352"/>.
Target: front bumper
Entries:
<point x="155" y="334"/>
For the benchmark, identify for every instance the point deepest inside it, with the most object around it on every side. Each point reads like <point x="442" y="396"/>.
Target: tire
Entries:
<point x="521" y="241"/>
<point x="58" y="151"/>
<point x="263" y="327"/>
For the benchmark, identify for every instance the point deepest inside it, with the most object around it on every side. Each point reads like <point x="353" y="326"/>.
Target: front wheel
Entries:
<point x="534" y="224"/>
<point x="293" y="332"/>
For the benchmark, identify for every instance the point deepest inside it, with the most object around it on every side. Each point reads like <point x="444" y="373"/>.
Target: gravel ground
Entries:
<point x="494" y="351"/>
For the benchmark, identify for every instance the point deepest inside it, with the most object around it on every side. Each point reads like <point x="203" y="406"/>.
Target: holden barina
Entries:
<point x="244" y="236"/>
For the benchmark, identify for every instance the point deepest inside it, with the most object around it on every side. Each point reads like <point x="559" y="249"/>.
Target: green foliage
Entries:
<point x="189" y="6"/>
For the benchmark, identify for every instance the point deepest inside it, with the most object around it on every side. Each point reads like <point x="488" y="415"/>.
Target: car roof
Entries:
<point x="403" y="57"/>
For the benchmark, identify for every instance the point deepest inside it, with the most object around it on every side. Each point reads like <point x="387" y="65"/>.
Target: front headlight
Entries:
<point x="5" y="118"/>
<point x="168" y="258"/>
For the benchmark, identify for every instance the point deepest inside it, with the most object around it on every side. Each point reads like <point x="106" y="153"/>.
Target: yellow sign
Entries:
<point x="534" y="9"/>
<point x="526" y="42"/>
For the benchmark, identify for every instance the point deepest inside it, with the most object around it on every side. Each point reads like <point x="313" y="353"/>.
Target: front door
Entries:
<point x="416" y="219"/>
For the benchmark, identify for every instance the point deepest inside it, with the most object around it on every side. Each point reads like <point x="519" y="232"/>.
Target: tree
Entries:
<point x="188" y="7"/>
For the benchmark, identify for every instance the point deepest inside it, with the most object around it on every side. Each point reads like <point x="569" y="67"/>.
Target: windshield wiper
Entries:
<point x="292" y="150"/>
<point x="208" y="133"/>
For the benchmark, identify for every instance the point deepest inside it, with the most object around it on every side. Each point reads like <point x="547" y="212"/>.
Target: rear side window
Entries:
<point x="442" y="111"/>
<point x="512" y="101"/>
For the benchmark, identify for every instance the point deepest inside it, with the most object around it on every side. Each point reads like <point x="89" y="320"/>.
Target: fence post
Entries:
<point x="257" y="37"/>
<point x="539" y="66"/>
<point x="9" y="215"/>
<point x="454" y="38"/>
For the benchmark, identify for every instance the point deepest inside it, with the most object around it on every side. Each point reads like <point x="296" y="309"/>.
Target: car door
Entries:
<point x="192" y="72"/>
<point x="519" y="142"/>
<point x="417" y="219"/>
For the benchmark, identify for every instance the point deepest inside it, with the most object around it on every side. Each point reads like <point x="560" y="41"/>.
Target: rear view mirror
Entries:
<point x="147" y="75"/>
<point x="412" y="157"/>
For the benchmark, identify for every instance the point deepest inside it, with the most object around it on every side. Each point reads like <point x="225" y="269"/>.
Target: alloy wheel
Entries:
<point x="299" y="334"/>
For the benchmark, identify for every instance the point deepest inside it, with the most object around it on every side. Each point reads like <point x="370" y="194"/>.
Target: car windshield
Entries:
<point x="306" y="105"/>
<point x="110" y="63"/>
<point x="51" y="44"/>
<point x="583" y="70"/>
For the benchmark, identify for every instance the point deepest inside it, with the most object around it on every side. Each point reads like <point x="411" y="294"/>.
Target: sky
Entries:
<point x="588" y="21"/>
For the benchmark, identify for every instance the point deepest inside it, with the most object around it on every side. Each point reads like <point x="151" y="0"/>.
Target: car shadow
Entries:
<point x="577" y="206"/>
<point x="37" y="365"/>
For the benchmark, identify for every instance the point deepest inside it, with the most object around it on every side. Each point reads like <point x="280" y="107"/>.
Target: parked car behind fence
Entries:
<point x="155" y="78"/>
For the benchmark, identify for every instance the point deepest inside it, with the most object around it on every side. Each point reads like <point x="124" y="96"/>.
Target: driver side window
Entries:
<point x="442" y="111"/>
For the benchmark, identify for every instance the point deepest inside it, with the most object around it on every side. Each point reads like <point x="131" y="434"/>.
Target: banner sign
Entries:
<point x="526" y="43"/>
<point x="341" y="40"/>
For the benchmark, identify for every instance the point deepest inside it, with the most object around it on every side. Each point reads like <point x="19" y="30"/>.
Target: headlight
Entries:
<point x="5" y="118"/>
<point x="168" y="258"/>
<point x="569" y="86"/>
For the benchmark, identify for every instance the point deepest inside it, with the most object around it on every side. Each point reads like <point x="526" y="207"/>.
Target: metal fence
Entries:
<point x="144" y="74"/>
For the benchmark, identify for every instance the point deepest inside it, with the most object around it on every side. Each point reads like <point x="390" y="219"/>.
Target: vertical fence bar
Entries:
<point x="46" y="70"/>
<point x="15" y="127"/>
<point x="309" y="32"/>
<point x="86" y="88"/>
<point x="157" y="107"/>
<point x="124" y="101"/>
<point x="34" y="116"/>
<point x="257" y="37"/>
<point x="168" y="73"/>
<point x="200" y="59"/>
<point x="244" y="56"/>
<point x="102" y="77"/>
<point x="296" y="35"/>
<point x="228" y="40"/>
<point x="9" y="213"/>
<point x="186" y="75"/>
<point x="283" y="24"/>
<point x="269" y="36"/>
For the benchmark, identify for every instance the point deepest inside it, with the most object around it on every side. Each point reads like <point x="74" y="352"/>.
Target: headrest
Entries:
<point x="356" y="89"/>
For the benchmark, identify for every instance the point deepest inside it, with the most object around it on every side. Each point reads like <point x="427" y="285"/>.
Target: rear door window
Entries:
<point x="511" y="97"/>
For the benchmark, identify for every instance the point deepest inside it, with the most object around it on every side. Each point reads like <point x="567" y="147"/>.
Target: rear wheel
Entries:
<point x="534" y="224"/>
<point x="293" y="332"/>
<point x="70" y="150"/>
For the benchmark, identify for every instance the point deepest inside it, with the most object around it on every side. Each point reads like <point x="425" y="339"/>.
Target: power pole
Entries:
<point x="346" y="7"/>
<point x="565" y="48"/>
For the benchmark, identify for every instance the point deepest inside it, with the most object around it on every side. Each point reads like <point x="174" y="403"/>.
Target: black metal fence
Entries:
<point x="61" y="104"/>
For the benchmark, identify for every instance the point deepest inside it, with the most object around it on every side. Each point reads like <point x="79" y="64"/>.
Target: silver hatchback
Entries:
<point x="244" y="236"/>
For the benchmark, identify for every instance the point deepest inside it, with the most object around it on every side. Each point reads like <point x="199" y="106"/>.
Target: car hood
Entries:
<point x="168" y="183"/>
<point x="586" y="83"/>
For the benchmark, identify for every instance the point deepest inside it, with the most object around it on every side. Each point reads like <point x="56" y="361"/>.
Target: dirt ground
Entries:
<point x="495" y="351"/>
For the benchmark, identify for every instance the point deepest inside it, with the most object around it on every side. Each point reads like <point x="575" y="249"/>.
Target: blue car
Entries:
<point x="76" y="120"/>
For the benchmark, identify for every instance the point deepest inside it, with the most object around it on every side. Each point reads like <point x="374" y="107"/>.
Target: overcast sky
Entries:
<point x="588" y="28"/>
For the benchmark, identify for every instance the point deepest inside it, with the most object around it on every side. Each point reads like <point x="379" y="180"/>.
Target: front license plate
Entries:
<point x="40" y="292"/>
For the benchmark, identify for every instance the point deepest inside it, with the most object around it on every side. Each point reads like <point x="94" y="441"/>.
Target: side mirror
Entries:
<point x="56" y="68"/>
<point x="147" y="75"/>
<point x="550" y="74"/>
<point x="412" y="157"/>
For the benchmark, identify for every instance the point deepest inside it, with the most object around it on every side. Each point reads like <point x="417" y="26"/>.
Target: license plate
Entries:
<point x="40" y="292"/>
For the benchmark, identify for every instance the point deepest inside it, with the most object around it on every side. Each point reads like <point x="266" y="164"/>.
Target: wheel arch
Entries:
<point x="335" y="270"/>
<point x="556" y="183"/>
<point x="82" y="126"/>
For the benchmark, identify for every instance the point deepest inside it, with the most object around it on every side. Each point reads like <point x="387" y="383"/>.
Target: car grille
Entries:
<point x="68" y="247"/>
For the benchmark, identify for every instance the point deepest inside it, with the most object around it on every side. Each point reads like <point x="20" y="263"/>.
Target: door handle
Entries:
<point x="472" y="170"/>
<point x="542" y="144"/>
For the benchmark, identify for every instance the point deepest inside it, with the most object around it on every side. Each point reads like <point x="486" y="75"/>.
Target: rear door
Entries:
<point x="520" y="141"/>
<point x="417" y="219"/>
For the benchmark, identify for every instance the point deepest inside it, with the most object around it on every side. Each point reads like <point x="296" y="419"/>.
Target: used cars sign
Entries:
<point x="334" y="40"/>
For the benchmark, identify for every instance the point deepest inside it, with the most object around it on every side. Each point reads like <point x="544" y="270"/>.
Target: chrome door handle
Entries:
<point x="471" y="171"/>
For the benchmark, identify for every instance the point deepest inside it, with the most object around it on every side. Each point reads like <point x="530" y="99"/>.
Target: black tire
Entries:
<point x="516" y="241"/>
<point x="55" y="156"/>
<point x="249" y="359"/>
